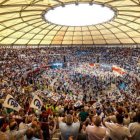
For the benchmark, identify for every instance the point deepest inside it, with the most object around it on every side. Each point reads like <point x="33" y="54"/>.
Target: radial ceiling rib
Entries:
<point x="90" y="34"/>
<point x="18" y="12"/>
<point x="3" y="2"/>
<point x="46" y="35"/>
<point x="136" y="2"/>
<point x="126" y="26"/>
<point x="26" y="33"/>
<point x="82" y="36"/>
<point x="64" y="35"/>
<point x="17" y="18"/>
<point x="73" y="35"/>
<point x="128" y="15"/>
<point x="33" y="2"/>
<point x="124" y="33"/>
<point x="112" y="33"/>
<point x="37" y="34"/>
<point x="19" y="23"/>
<point x="56" y="34"/>
<point x="129" y="21"/>
<point x="111" y="1"/>
<point x="127" y="34"/>
<point x="26" y="5"/>
<point x="59" y="1"/>
<point x="24" y="21"/>
<point x="16" y="31"/>
<point x="101" y="34"/>
<point x="133" y="29"/>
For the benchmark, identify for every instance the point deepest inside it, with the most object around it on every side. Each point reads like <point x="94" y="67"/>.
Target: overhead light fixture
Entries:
<point x="91" y="3"/>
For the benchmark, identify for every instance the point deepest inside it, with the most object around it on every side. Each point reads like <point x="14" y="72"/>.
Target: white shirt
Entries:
<point x="117" y="131"/>
<point x="95" y="133"/>
<point x="134" y="129"/>
<point x="67" y="131"/>
<point x="126" y="121"/>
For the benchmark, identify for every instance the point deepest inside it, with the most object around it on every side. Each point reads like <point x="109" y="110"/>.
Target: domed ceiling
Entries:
<point x="22" y="22"/>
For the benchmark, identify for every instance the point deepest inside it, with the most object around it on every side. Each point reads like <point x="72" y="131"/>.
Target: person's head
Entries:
<point x="120" y="110"/>
<point x="126" y="115"/>
<point x="70" y="138"/>
<point x="69" y="119"/>
<point x="119" y="118"/>
<point x="96" y="121"/>
<point x="13" y="125"/>
<point x="29" y="133"/>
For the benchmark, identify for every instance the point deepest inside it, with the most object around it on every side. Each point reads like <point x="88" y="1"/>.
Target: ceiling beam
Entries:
<point x="3" y="2"/>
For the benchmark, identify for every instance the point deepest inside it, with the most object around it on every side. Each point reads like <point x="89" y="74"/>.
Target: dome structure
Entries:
<point x="23" y="22"/>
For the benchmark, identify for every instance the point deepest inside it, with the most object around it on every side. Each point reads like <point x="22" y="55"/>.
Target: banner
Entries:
<point x="10" y="102"/>
<point x="36" y="103"/>
<point x="118" y="70"/>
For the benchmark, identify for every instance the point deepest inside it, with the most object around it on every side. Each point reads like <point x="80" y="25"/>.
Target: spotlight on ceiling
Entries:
<point x="102" y="5"/>
<point x="90" y="3"/>
<point x="76" y="3"/>
<point x="63" y="5"/>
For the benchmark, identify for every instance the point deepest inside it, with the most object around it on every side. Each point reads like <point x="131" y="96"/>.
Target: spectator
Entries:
<point x="135" y="128"/>
<point x="69" y="127"/>
<point x="116" y="130"/>
<point x="96" y="132"/>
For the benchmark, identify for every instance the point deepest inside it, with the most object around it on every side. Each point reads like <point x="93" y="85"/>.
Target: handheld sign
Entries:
<point x="36" y="103"/>
<point x="10" y="102"/>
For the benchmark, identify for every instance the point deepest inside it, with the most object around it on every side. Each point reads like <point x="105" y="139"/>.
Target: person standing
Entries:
<point x="117" y="131"/>
<point x="96" y="132"/>
<point x="135" y="128"/>
<point x="69" y="127"/>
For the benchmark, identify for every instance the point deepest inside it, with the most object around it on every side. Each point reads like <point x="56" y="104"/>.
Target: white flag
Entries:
<point x="50" y="94"/>
<point x="53" y="82"/>
<point x="80" y="97"/>
<point x="68" y="98"/>
<point x="10" y="102"/>
<point x="36" y="103"/>
<point x="78" y="103"/>
<point x="55" y="98"/>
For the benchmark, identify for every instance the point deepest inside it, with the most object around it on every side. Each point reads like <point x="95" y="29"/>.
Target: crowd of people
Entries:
<point x="87" y="105"/>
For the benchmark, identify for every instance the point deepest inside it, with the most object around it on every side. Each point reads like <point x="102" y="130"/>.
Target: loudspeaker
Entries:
<point x="98" y="59"/>
<point x="64" y="58"/>
<point x="65" y="63"/>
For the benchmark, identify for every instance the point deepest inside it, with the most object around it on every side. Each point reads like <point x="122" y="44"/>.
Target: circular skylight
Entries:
<point x="79" y="15"/>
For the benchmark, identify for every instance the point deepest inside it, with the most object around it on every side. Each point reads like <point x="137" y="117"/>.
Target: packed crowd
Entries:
<point x="82" y="106"/>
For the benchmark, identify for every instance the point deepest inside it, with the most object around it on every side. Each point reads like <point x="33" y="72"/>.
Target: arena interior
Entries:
<point x="69" y="69"/>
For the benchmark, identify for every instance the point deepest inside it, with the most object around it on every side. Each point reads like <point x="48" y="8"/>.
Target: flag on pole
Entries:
<point x="36" y="103"/>
<point x="10" y="102"/>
